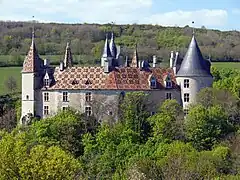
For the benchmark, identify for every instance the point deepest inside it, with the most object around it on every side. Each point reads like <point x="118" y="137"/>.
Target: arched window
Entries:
<point x="168" y="81"/>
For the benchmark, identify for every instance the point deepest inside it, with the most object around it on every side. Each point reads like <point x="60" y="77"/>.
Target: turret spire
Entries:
<point x="32" y="62"/>
<point x="113" y="47"/>
<point x="68" y="60"/>
<point x="135" y="58"/>
<point x="106" y="50"/>
<point x="193" y="63"/>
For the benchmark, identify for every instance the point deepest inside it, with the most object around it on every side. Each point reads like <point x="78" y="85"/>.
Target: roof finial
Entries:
<point x="193" y="28"/>
<point x="33" y="31"/>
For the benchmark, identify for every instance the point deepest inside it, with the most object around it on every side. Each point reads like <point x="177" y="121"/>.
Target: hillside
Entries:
<point x="87" y="40"/>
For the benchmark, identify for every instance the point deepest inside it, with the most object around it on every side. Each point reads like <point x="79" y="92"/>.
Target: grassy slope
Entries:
<point x="6" y="72"/>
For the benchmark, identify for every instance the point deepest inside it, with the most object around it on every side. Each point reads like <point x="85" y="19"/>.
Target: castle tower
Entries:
<point x="135" y="60"/>
<point x="31" y="81"/>
<point x="194" y="74"/>
<point x="106" y="60"/>
<point x="68" y="60"/>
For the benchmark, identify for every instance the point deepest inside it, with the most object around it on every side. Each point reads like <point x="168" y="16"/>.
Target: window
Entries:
<point x="46" y="96"/>
<point x="153" y="82"/>
<point x="186" y="97"/>
<point x="186" y="83"/>
<point x="185" y="112"/>
<point x="88" y="111"/>
<point x="46" y="82"/>
<point x="153" y="113"/>
<point x="46" y="110"/>
<point x="27" y="97"/>
<point x="168" y="84"/>
<point x="65" y="96"/>
<point x="88" y="97"/>
<point x="168" y="95"/>
<point x="64" y="108"/>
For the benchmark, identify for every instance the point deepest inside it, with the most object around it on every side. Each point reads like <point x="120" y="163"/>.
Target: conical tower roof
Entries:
<point x="68" y="60"/>
<point x="113" y="47"/>
<point x="106" y="50"/>
<point x="193" y="63"/>
<point x="32" y="62"/>
<point x="135" y="58"/>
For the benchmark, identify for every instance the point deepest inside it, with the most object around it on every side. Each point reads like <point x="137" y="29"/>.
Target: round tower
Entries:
<point x="194" y="74"/>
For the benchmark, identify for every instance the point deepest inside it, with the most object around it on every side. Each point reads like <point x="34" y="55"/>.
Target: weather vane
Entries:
<point x="193" y="27"/>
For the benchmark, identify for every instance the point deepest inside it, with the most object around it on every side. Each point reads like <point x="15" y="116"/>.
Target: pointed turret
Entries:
<point x="68" y="60"/>
<point x="32" y="62"/>
<point x="193" y="63"/>
<point x="113" y="47"/>
<point x="135" y="58"/>
<point x="106" y="50"/>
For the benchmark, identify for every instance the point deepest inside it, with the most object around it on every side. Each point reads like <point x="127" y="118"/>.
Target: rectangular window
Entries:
<point x="46" y="82"/>
<point x="186" y="83"/>
<point x="45" y="110"/>
<point x="168" y="95"/>
<point x="168" y="84"/>
<point x="46" y="97"/>
<point x="64" y="108"/>
<point x="186" y="97"/>
<point x="65" y="96"/>
<point x="88" y="97"/>
<point x="88" y="111"/>
<point x="185" y="111"/>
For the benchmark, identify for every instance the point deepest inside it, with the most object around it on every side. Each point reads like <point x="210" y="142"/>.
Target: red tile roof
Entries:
<point x="124" y="78"/>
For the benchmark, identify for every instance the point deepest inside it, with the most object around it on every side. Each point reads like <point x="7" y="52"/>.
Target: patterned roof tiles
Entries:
<point x="124" y="78"/>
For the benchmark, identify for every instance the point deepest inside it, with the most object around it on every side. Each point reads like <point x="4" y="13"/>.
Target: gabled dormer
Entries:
<point x="168" y="81"/>
<point x="152" y="82"/>
<point x="46" y="80"/>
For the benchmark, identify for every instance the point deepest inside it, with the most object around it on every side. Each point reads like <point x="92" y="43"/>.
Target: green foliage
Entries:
<point x="205" y="126"/>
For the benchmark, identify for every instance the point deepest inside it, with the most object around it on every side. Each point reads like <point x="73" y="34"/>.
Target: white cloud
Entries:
<point x="204" y="17"/>
<point x="106" y="11"/>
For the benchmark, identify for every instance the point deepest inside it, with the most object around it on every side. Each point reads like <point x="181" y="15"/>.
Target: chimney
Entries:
<point x="46" y="62"/>
<point x="139" y="64"/>
<point x="61" y="66"/>
<point x="171" y="59"/>
<point x="154" y="61"/>
<point x="106" y="66"/>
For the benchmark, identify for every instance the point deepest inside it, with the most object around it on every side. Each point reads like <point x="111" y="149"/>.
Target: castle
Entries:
<point x="98" y="90"/>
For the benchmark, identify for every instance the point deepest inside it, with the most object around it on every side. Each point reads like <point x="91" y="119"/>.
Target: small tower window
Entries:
<point x="27" y="97"/>
<point x="186" y="97"/>
<point x="186" y="111"/>
<point x="46" y="110"/>
<point x="46" y="96"/>
<point x="186" y="83"/>
<point x="168" y="95"/>
<point x="65" y="96"/>
<point x="88" y="97"/>
<point x="65" y="108"/>
<point x="88" y="111"/>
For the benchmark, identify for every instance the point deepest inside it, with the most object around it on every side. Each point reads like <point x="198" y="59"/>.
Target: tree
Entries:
<point x="11" y="84"/>
<point x="206" y="126"/>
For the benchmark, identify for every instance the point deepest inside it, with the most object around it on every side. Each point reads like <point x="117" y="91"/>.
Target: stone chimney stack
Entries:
<point x="154" y="61"/>
<point x="61" y="66"/>
<point x="171" y="59"/>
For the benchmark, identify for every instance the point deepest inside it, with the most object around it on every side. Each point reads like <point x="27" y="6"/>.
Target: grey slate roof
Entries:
<point x="106" y="50"/>
<point x="113" y="48"/>
<point x="193" y="63"/>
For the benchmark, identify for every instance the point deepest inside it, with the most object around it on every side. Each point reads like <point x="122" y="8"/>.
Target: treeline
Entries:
<point x="87" y="40"/>
<point x="204" y="145"/>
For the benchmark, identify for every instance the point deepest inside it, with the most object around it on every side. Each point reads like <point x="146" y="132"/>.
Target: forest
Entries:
<point x="203" y="145"/>
<point x="87" y="41"/>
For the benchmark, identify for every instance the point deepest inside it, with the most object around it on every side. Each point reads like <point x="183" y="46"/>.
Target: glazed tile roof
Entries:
<point x="124" y="78"/>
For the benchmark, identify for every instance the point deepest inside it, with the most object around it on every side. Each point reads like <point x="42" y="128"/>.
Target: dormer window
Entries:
<point x="46" y="82"/>
<point x="168" y="82"/>
<point x="153" y="82"/>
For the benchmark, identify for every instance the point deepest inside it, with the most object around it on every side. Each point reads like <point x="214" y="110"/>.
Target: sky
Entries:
<point x="214" y="14"/>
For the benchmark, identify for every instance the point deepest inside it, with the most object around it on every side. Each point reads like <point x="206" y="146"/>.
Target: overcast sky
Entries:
<point x="216" y="14"/>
